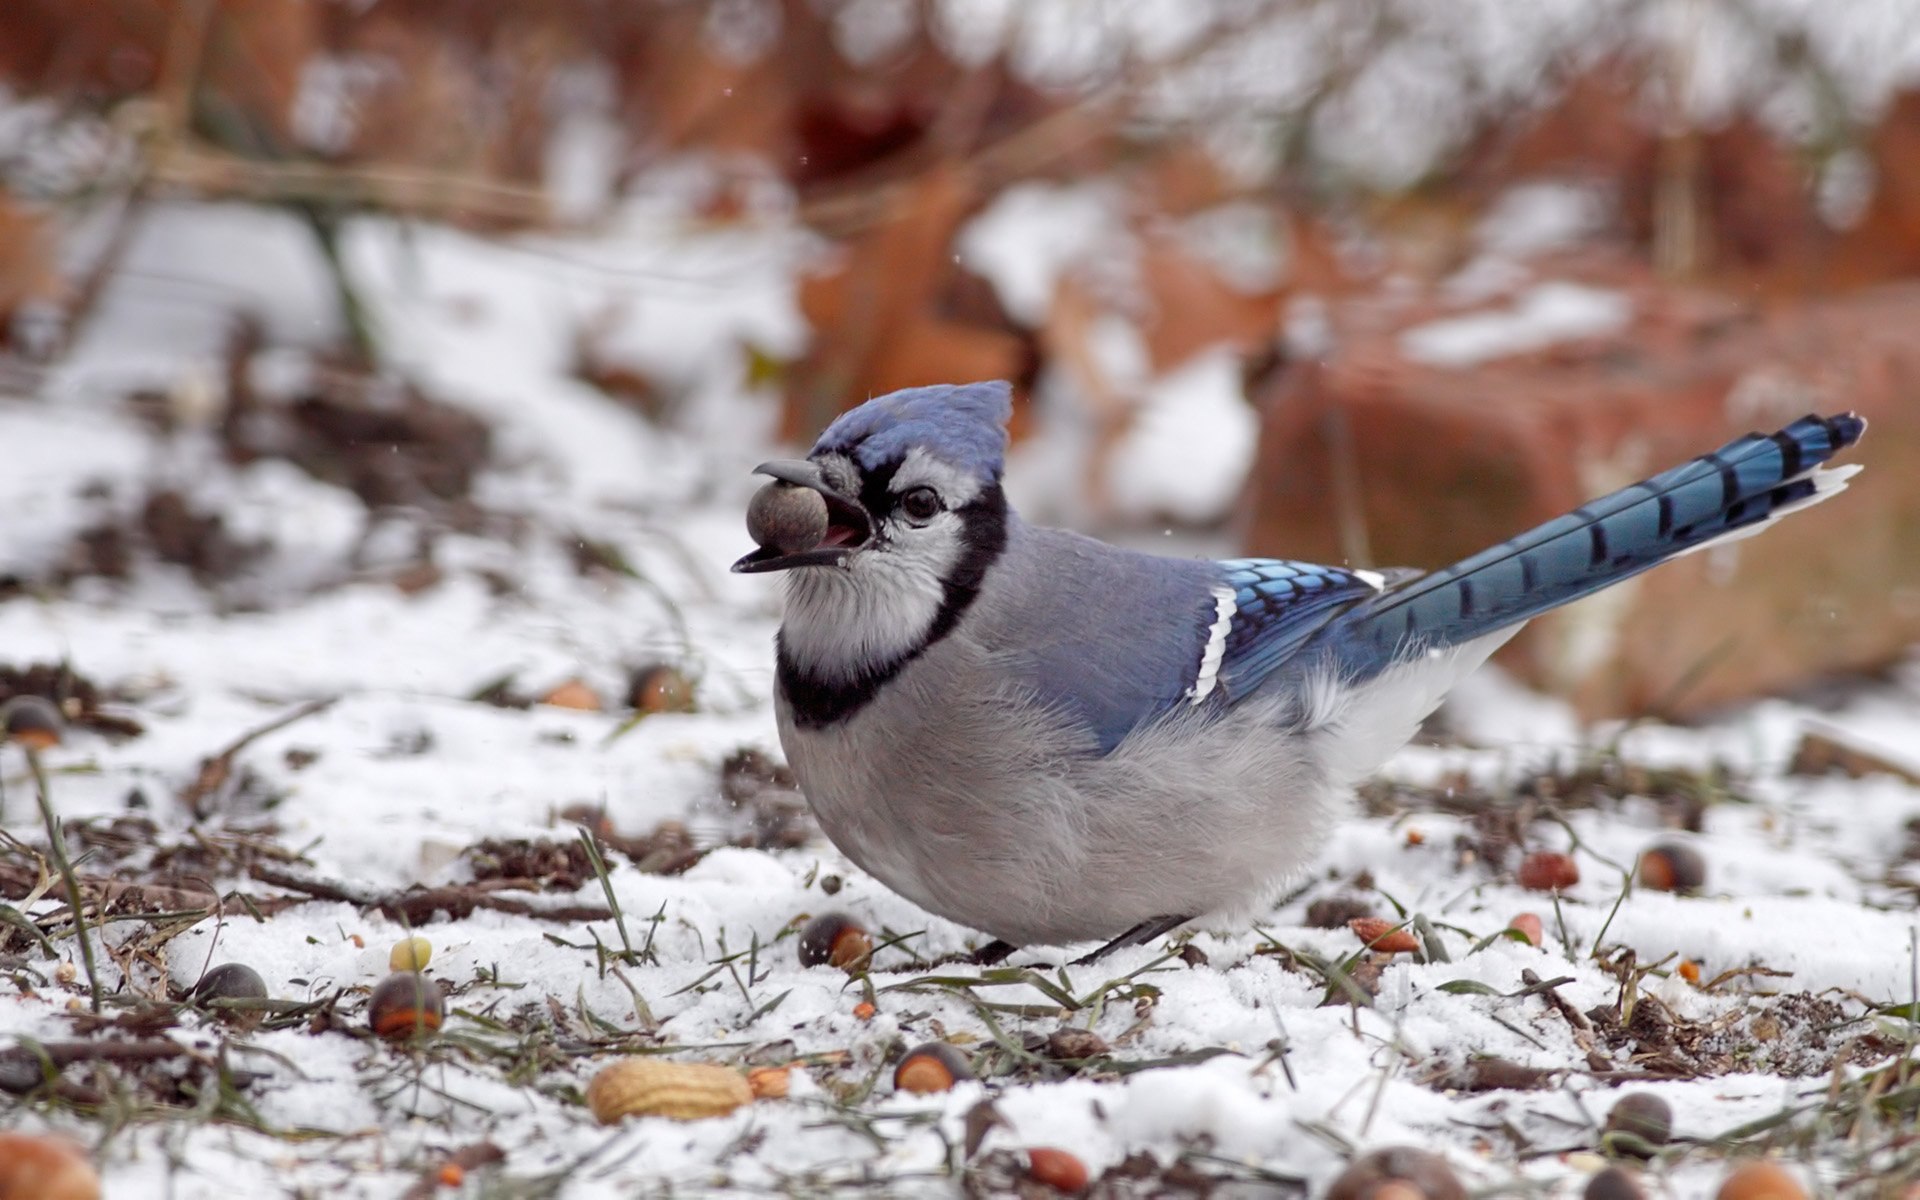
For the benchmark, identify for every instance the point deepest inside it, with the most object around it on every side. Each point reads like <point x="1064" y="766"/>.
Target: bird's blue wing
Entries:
<point x="1115" y="639"/>
<point x="1276" y="606"/>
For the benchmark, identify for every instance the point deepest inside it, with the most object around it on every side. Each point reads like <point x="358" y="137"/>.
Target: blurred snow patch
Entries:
<point x="1247" y="245"/>
<point x="973" y="31"/>
<point x="327" y="102"/>
<point x="1189" y="447"/>
<point x="1537" y="217"/>
<point x="1031" y="234"/>
<point x="867" y="31"/>
<point x="185" y="274"/>
<point x="1543" y="315"/>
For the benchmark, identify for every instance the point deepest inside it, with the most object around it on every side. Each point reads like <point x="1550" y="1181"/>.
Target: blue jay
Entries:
<point x="1053" y="740"/>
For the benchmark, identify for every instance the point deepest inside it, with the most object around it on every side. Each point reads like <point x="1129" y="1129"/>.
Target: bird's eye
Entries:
<point x="921" y="503"/>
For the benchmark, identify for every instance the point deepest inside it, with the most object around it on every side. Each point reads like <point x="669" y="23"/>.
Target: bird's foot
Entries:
<point x="1139" y="935"/>
<point x="993" y="953"/>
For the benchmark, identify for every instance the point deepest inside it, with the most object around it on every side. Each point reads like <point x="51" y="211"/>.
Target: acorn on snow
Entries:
<point x="31" y="721"/>
<point x="405" y="1005"/>
<point x="1672" y="867"/>
<point x="231" y="981"/>
<point x="44" y="1168"/>
<point x="834" y="939"/>
<point x="1398" y="1172"/>
<point x="932" y="1067"/>
<point x="1643" y="1116"/>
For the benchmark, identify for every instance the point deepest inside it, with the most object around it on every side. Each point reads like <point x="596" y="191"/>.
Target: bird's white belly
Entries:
<point x="1001" y="820"/>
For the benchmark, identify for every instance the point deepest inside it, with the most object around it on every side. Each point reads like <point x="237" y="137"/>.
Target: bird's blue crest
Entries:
<point x="963" y="425"/>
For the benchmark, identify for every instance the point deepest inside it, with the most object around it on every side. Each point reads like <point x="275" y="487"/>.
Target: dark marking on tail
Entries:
<point x="1740" y="485"/>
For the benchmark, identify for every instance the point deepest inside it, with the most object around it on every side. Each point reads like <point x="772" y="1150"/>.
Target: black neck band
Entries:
<point x="818" y="702"/>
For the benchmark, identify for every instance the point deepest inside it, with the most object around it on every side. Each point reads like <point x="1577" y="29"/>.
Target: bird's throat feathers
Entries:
<point x="849" y="629"/>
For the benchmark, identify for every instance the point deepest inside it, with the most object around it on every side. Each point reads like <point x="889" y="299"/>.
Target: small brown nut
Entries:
<point x="1398" y="1173"/>
<point x="406" y="1004"/>
<point x="651" y="1087"/>
<point x="44" y="1168"/>
<point x="658" y="688"/>
<point x="1761" y="1181"/>
<point x="787" y="517"/>
<point x="834" y="939"/>
<point x="770" y="1083"/>
<point x="1380" y="934"/>
<point x="1072" y="1044"/>
<point x="1645" y="1119"/>
<point x="1672" y="867"/>
<point x="1547" y="871"/>
<point x="573" y="694"/>
<point x="1529" y="925"/>
<point x="231" y="981"/>
<point x="410" y="954"/>
<point x="32" y="722"/>
<point x="1614" y="1183"/>
<point x="932" y="1067"/>
<point x="1057" y="1169"/>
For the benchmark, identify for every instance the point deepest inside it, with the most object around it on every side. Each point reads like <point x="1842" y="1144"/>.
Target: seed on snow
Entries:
<point x="1644" y="1116"/>
<point x="32" y="722"/>
<point x="1057" y="1169"/>
<point x="1398" y="1173"/>
<point x="833" y="939"/>
<point x="1672" y="867"/>
<point x="1547" y="871"/>
<point x="658" y="688"/>
<point x="770" y="1083"/>
<point x="787" y="517"/>
<point x="406" y="1004"/>
<point x="651" y="1087"/>
<point x="574" y="694"/>
<point x="44" y="1168"/>
<point x="1528" y="924"/>
<point x="1614" y="1183"/>
<point x="410" y="954"/>
<point x="1381" y="935"/>
<point x="933" y="1067"/>
<point x="231" y="981"/>
<point x="1761" y="1181"/>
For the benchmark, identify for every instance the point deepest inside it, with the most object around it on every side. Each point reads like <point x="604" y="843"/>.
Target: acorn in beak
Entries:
<point x="799" y="520"/>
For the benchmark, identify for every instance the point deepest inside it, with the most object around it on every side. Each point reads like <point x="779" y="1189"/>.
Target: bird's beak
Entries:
<point x="848" y="526"/>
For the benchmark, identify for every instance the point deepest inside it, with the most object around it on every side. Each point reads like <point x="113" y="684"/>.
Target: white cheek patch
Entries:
<point x="956" y="487"/>
<point x="843" y="621"/>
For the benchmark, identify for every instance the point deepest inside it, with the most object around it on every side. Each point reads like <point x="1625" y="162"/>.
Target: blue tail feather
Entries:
<point x="1733" y="492"/>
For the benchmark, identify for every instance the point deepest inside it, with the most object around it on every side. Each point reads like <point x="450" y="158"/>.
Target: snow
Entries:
<point x="1532" y="218"/>
<point x="1805" y="876"/>
<point x="1188" y="449"/>
<point x="1032" y="234"/>
<point x="1543" y="315"/>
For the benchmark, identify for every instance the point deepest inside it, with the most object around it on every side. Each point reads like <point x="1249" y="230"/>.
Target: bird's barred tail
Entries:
<point x="1734" y="492"/>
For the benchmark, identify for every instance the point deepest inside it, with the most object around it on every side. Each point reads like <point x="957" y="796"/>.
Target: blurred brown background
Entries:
<point x="1470" y="267"/>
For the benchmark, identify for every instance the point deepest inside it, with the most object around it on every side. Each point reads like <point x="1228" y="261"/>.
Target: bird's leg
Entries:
<point x="995" y="951"/>
<point x="1140" y="934"/>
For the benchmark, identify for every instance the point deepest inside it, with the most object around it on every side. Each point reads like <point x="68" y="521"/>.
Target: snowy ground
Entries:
<point x="1221" y="1067"/>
